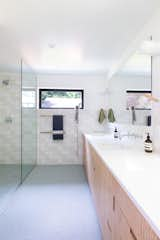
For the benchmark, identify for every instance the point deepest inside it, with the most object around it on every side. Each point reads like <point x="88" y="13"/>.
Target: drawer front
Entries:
<point x="107" y="211"/>
<point x="97" y="181"/>
<point x="107" y="231"/>
<point x="103" y="195"/>
<point x="85" y="156"/>
<point x="89" y="165"/>
<point x="140" y="228"/>
<point x="123" y="230"/>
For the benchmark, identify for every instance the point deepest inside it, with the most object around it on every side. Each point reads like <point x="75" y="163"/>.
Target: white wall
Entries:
<point x="65" y="152"/>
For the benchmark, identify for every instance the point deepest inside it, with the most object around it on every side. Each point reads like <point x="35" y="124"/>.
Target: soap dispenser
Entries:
<point x="115" y="133"/>
<point x="148" y="147"/>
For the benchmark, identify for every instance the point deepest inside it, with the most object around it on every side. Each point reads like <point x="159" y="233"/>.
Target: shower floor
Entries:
<point x="9" y="180"/>
<point x="54" y="202"/>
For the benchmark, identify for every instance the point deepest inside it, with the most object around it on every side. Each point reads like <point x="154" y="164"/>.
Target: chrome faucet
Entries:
<point x="133" y="115"/>
<point x="77" y="114"/>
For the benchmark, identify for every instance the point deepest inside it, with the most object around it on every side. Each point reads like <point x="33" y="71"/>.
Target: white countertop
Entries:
<point x="136" y="171"/>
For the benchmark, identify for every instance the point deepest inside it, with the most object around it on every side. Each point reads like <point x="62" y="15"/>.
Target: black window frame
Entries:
<point x="62" y="90"/>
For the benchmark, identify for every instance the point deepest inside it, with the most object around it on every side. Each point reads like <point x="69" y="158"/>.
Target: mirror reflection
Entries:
<point x="128" y="89"/>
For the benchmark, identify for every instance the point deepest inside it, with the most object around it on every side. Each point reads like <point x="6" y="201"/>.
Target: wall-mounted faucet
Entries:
<point x="77" y="127"/>
<point x="8" y="120"/>
<point x="133" y="115"/>
<point x="77" y="113"/>
<point x="5" y="82"/>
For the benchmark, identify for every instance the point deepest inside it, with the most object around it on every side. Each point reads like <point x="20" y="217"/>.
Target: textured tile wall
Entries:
<point x="29" y="136"/>
<point x="10" y="133"/>
<point x="66" y="151"/>
<point x="10" y="108"/>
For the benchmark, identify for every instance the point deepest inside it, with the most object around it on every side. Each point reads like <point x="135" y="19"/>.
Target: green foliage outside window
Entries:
<point x="60" y="94"/>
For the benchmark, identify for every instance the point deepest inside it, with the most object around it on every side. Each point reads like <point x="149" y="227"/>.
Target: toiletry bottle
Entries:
<point x="115" y="133"/>
<point x="148" y="144"/>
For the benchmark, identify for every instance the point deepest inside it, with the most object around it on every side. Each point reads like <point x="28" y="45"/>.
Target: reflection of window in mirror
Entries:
<point x="28" y="98"/>
<point x="138" y="100"/>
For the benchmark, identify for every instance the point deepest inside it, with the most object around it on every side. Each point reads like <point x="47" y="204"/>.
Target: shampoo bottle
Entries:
<point x="115" y="133"/>
<point x="148" y="147"/>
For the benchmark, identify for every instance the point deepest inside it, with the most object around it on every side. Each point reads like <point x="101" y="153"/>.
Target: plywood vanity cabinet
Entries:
<point x="118" y="216"/>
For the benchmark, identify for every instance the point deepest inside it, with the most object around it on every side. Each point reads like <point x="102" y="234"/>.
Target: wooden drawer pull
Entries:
<point x="132" y="234"/>
<point x="114" y="203"/>
<point x="109" y="227"/>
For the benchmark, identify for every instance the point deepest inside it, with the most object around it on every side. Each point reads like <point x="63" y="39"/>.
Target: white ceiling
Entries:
<point x="88" y="35"/>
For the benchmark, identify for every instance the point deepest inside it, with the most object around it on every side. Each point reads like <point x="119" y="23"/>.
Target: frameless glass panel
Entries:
<point x="29" y="120"/>
<point x="10" y="128"/>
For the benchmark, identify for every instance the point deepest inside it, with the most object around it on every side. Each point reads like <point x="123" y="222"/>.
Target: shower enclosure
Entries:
<point x="28" y="120"/>
<point x="18" y="127"/>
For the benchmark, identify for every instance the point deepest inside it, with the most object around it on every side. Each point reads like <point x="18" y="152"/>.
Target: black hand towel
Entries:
<point x="57" y="127"/>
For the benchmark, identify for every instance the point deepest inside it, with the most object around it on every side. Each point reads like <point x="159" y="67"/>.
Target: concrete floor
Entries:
<point x="54" y="203"/>
<point x="9" y="180"/>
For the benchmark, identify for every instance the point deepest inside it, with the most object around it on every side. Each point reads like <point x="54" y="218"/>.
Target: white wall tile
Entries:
<point x="10" y="97"/>
<point x="65" y="152"/>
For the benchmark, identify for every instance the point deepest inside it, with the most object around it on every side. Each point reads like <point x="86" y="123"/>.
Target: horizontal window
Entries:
<point x="60" y="98"/>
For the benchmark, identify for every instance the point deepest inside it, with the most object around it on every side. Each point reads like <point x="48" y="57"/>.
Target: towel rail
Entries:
<point x="54" y="132"/>
<point x="48" y="115"/>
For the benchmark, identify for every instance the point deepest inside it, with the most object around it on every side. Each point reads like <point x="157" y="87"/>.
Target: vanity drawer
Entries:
<point x="119" y="217"/>
<point x="123" y="230"/>
<point x="140" y="228"/>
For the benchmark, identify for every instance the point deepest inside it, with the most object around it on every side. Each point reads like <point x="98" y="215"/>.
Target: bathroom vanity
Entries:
<point x="123" y="182"/>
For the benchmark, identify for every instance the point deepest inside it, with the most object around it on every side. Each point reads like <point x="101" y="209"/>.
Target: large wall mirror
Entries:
<point x="128" y="89"/>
